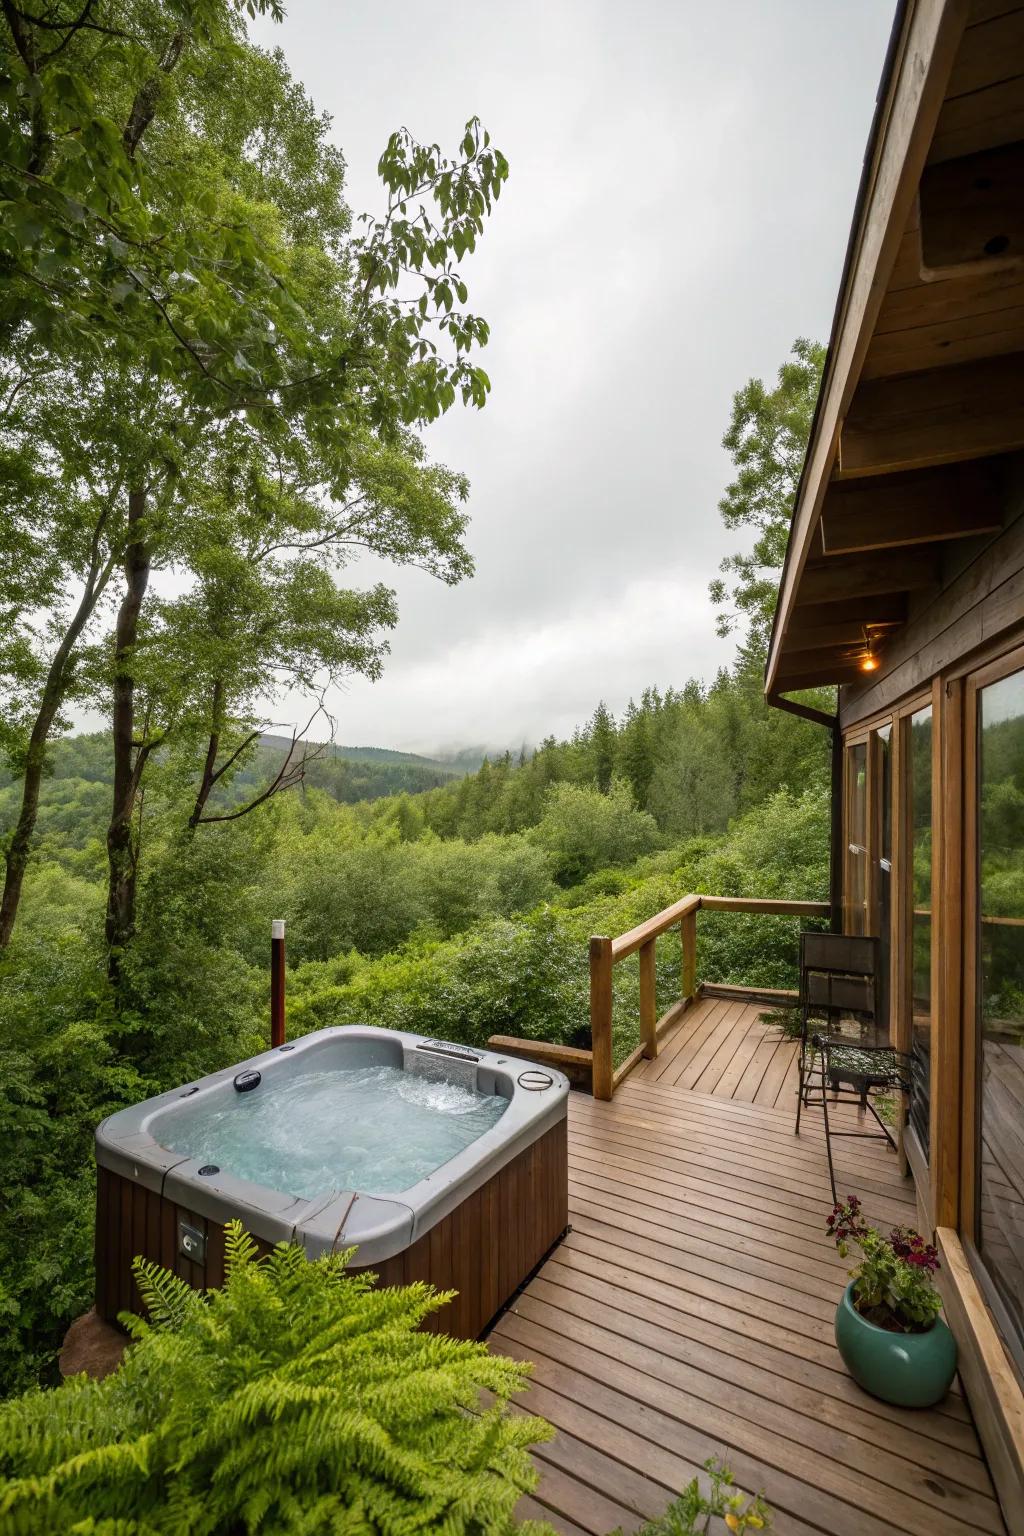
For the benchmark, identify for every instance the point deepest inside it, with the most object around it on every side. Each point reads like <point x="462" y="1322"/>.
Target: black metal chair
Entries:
<point x="850" y="1074"/>
<point x="839" y="977"/>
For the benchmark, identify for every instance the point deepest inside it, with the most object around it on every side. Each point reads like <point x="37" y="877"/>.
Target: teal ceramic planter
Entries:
<point x="911" y="1370"/>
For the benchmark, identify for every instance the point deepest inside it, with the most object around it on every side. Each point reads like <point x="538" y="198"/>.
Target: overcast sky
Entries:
<point x="682" y="179"/>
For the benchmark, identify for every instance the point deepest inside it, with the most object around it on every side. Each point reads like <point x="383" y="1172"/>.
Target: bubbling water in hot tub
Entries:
<point x="376" y="1129"/>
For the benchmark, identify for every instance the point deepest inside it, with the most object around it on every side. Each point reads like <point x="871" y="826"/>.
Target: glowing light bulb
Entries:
<point x="869" y="663"/>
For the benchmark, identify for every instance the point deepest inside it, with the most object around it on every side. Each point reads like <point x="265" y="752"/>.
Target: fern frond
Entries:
<point x="168" y="1299"/>
<point x="298" y="1399"/>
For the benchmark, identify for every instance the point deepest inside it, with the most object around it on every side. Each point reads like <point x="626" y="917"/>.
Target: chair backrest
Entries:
<point x="839" y="972"/>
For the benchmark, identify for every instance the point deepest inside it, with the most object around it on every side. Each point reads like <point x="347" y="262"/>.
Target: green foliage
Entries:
<point x="299" y="1398"/>
<point x="692" y="1513"/>
<point x="692" y="757"/>
<point x="108" y="226"/>
<point x="583" y="830"/>
<point x="893" y="1283"/>
<point x="525" y="977"/>
<point x="169" y="188"/>
<point x="528" y="975"/>
<point x="60" y="1073"/>
<point x="208" y="372"/>
<point x="767" y="439"/>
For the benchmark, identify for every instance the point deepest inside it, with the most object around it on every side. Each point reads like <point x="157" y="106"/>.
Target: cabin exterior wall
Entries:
<point x="925" y="867"/>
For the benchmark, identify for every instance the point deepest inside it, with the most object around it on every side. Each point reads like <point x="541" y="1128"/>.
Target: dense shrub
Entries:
<point x="584" y="830"/>
<point x="372" y="896"/>
<point x="524" y="977"/>
<point x="297" y="1399"/>
<point x="59" y="1075"/>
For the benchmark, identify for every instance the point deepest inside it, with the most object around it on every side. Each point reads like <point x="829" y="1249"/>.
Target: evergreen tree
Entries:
<point x="602" y="741"/>
<point x="637" y="752"/>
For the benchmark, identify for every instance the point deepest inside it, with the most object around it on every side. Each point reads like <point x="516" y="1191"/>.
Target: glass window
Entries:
<point x="856" y="915"/>
<point x="919" y="768"/>
<point x="1000" y="989"/>
<point x="882" y="907"/>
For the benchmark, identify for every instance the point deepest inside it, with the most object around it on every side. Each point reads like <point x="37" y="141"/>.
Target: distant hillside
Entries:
<point x="76" y="794"/>
<point x="466" y="761"/>
<point x="351" y="774"/>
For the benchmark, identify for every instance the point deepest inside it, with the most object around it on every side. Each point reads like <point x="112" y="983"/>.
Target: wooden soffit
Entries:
<point x="923" y="388"/>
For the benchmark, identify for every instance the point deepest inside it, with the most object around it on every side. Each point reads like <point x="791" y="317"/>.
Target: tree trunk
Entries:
<point x="54" y="690"/>
<point x="121" y="851"/>
<point x="213" y="747"/>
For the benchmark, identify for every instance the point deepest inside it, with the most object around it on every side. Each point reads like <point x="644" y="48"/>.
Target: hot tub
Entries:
<point x="434" y="1161"/>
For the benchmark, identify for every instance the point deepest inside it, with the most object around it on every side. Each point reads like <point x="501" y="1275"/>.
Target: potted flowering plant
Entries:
<point x="888" y="1328"/>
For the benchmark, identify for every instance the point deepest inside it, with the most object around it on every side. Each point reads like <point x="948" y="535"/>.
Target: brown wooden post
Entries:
<point x="836" y="845"/>
<point x="277" y="982"/>
<point x="648" y="1001"/>
<point x="688" y="929"/>
<point x="601" y="1016"/>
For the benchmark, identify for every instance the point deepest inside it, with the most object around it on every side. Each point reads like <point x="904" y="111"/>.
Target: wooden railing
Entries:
<point x="595" y="1068"/>
<point x="606" y="953"/>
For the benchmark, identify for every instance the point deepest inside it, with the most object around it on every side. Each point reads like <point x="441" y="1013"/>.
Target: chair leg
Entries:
<point x="828" y="1143"/>
<point x="884" y="1128"/>
<point x="800" y="1065"/>
<point x="806" y="1074"/>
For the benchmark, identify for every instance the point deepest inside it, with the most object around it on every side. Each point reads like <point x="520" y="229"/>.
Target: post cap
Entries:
<point x="277" y="928"/>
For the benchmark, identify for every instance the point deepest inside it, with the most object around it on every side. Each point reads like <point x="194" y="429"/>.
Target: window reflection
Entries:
<point x="857" y="839"/>
<point x="1000" y="1231"/>
<point x="882" y="865"/>
<point x="920" y="772"/>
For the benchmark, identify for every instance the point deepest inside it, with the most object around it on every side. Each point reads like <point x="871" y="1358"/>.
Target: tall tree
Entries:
<point x="79" y="433"/>
<point x="637" y="751"/>
<point x="246" y="298"/>
<point x="767" y="440"/>
<point x="601" y="732"/>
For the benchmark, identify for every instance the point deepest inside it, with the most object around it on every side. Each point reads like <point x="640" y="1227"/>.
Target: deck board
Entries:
<point x="688" y="1312"/>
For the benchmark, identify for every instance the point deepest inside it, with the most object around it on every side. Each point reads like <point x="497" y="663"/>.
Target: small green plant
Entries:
<point x="692" y="1513"/>
<point x="299" y="1398"/>
<point x="788" y="1021"/>
<point x="893" y="1283"/>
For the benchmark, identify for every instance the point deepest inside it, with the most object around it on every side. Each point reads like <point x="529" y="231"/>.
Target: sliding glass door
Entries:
<point x="995" y="872"/>
<point x="881" y="860"/>
<point x="857" y="862"/>
<point x="918" y="934"/>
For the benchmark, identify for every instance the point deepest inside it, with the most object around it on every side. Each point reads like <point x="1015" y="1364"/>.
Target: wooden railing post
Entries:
<point x="648" y="1000"/>
<point x="688" y="930"/>
<point x="601" y="1016"/>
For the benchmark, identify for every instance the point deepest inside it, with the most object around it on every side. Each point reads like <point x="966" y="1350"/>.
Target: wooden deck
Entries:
<point x="689" y="1311"/>
<point x="727" y="1050"/>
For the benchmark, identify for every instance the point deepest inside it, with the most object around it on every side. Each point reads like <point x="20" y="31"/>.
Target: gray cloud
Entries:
<point x="682" y="179"/>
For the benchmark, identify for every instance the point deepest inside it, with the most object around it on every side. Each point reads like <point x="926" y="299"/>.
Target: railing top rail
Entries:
<point x="767" y="906"/>
<point x="636" y="938"/>
<point x="628" y="943"/>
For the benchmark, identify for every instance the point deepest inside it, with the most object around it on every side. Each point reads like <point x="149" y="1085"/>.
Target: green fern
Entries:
<point x="299" y="1398"/>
